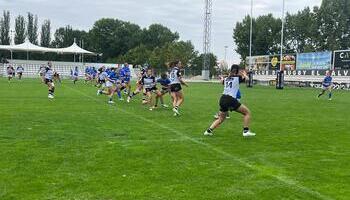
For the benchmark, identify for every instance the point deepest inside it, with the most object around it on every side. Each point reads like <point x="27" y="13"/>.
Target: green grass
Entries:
<point x="78" y="147"/>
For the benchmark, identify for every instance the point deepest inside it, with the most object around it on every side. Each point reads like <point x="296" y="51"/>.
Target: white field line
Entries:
<point x="284" y="179"/>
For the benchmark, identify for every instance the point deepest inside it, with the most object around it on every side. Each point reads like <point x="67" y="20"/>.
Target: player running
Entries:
<point x="110" y="84"/>
<point x="175" y="86"/>
<point x="10" y="70"/>
<point x="75" y="74"/>
<point x="56" y="77"/>
<point x="164" y="81"/>
<point x="20" y="71"/>
<point x="125" y="76"/>
<point x="41" y="71"/>
<point x="229" y="102"/>
<point x="327" y="86"/>
<point x="139" y="86"/>
<point x="149" y="83"/>
<point x="48" y="80"/>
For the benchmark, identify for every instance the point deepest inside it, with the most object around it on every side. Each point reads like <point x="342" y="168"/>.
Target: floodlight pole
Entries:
<point x="282" y="34"/>
<point x="225" y="60"/>
<point x="206" y="39"/>
<point x="250" y="35"/>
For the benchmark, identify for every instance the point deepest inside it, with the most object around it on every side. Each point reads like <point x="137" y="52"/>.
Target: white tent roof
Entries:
<point x="29" y="47"/>
<point x="74" y="49"/>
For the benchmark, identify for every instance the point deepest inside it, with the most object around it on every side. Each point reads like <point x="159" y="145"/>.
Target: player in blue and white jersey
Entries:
<point x="175" y="86"/>
<point x="327" y="85"/>
<point x="93" y="73"/>
<point x="88" y="74"/>
<point x="229" y="102"/>
<point x="48" y="80"/>
<point x="125" y="76"/>
<point x="164" y="81"/>
<point x="75" y="74"/>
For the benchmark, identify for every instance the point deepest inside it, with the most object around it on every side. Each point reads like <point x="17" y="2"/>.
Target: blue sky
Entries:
<point x="183" y="16"/>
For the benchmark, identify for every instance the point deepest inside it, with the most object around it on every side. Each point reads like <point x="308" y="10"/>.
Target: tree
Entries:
<point x="20" y="30"/>
<point x="5" y="28"/>
<point x="45" y="36"/>
<point x="183" y="51"/>
<point x="300" y="31"/>
<point x="158" y="35"/>
<point x="114" y="37"/>
<point x="266" y="35"/>
<point x="333" y="20"/>
<point x="64" y="37"/>
<point x="241" y="37"/>
<point x="138" y="55"/>
<point x="32" y="28"/>
<point x="197" y="65"/>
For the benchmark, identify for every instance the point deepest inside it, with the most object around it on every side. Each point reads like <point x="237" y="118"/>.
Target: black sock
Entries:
<point x="245" y="129"/>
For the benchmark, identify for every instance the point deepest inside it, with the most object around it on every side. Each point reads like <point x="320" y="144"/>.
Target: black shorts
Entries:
<point x="175" y="87"/>
<point x="48" y="81"/>
<point x="20" y="73"/>
<point x="164" y="90"/>
<point x="151" y="89"/>
<point x="228" y="103"/>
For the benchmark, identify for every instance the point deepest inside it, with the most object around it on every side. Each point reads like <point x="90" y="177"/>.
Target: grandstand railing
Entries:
<point x="32" y="67"/>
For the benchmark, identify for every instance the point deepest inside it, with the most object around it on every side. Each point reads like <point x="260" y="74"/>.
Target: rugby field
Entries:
<point x="78" y="147"/>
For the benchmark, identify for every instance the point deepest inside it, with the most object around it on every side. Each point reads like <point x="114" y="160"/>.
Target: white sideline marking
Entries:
<point x="284" y="179"/>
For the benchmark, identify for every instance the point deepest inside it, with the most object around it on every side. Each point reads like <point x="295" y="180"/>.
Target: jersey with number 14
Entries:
<point x="231" y="85"/>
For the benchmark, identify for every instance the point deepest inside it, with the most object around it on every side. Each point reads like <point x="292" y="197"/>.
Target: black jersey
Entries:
<point x="148" y="81"/>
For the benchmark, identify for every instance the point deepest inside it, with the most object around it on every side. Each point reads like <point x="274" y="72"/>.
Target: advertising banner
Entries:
<point x="342" y="59"/>
<point x="314" y="61"/>
<point x="287" y="64"/>
<point x="259" y="63"/>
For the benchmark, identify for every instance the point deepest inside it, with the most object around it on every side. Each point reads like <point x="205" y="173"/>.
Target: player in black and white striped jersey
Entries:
<point x="229" y="102"/>
<point x="148" y="81"/>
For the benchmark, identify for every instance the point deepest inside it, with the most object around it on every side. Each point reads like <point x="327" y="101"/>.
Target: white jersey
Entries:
<point x="103" y="76"/>
<point x="48" y="73"/>
<point x="20" y="69"/>
<point x="9" y="70"/>
<point x="231" y="86"/>
<point x="175" y="76"/>
<point x="42" y="70"/>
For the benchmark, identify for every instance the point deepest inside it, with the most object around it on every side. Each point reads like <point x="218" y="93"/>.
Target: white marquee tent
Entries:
<point x="27" y="46"/>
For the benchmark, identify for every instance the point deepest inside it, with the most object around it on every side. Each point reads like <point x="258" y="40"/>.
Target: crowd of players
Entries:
<point x="115" y="80"/>
<point x="111" y="81"/>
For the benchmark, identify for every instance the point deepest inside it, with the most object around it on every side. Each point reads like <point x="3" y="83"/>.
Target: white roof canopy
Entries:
<point x="27" y="46"/>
